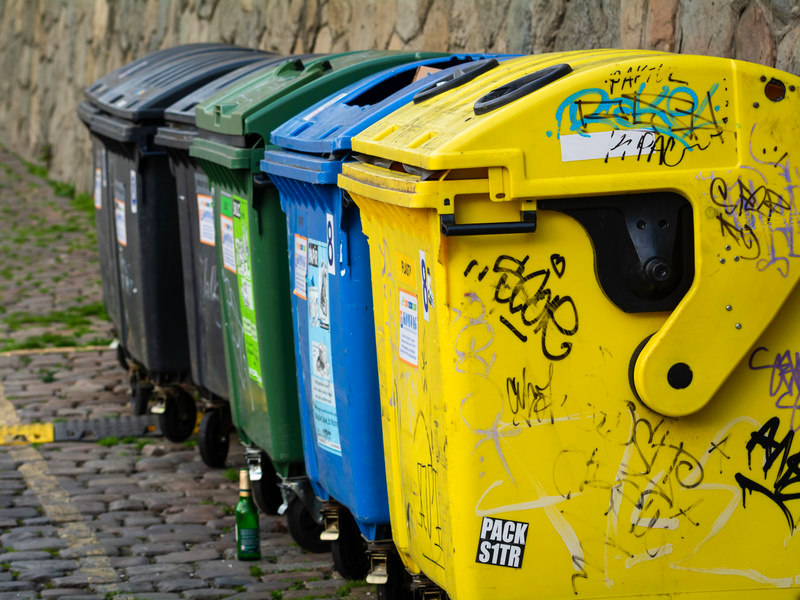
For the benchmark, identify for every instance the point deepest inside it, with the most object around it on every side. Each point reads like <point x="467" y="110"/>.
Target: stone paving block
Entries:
<point x="205" y="594"/>
<point x="180" y="585"/>
<point x="55" y="593"/>
<point x="188" y="556"/>
<point x="154" y="549"/>
<point x="18" y="595"/>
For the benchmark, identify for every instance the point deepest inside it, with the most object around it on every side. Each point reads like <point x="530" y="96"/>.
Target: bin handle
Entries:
<point x="518" y="88"/>
<point x="458" y="77"/>
<point x="526" y="225"/>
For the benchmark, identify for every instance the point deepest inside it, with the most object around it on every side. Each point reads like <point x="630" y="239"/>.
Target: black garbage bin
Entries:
<point x="137" y="220"/>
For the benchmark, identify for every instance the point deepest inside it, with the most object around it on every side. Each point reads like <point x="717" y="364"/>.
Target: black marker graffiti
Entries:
<point x="529" y="401"/>
<point x="761" y="200"/>
<point x="528" y="296"/>
<point x="744" y="237"/>
<point x="786" y="475"/>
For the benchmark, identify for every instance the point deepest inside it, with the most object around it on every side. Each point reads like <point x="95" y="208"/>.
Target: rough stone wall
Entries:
<point x="52" y="49"/>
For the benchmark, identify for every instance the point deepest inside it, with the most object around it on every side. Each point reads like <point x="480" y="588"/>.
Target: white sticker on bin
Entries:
<point x="502" y="542"/>
<point x="331" y="242"/>
<point x="228" y="248"/>
<point x="134" y="194"/>
<point x="205" y="217"/>
<point x="607" y="144"/>
<point x="409" y="329"/>
<point x="300" y="265"/>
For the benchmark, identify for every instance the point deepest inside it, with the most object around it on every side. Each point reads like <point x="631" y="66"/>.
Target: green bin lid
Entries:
<point x="260" y="103"/>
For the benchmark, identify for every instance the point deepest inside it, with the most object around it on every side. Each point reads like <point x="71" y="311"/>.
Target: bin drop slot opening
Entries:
<point x="387" y="87"/>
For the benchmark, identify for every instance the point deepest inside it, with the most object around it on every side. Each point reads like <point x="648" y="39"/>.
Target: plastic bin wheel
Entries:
<point x="179" y="417"/>
<point x="213" y="439"/>
<point x="397" y="587"/>
<point x="350" y="556"/>
<point x="267" y="491"/>
<point x="303" y="528"/>
<point x="141" y="391"/>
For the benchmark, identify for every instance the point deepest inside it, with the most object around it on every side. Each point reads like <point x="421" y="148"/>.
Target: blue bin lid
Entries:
<point x="328" y="126"/>
<point x="144" y="91"/>
<point x="183" y="111"/>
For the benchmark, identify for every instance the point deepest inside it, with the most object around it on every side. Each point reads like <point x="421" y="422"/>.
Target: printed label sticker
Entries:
<point x="119" y="213"/>
<point x="205" y="210"/>
<point x="228" y="252"/>
<point x="502" y="542"/>
<point x="134" y="195"/>
<point x="98" y="188"/>
<point x="205" y="217"/>
<point x="300" y="265"/>
<point x="323" y="396"/>
<point x="427" y="285"/>
<point x="331" y="246"/>
<point x="103" y="163"/>
<point x="409" y="329"/>
<point x="241" y="237"/>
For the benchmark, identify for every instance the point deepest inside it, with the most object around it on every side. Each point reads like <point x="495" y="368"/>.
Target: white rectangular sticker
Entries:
<point x="606" y="144"/>
<point x="502" y="542"/>
<point x="427" y="286"/>
<point x="98" y="188"/>
<point x="300" y="265"/>
<point x="409" y="329"/>
<point x="134" y="195"/>
<point x="119" y="214"/>
<point x="228" y="249"/>
<point x="205" y="217"/>
<point x="331" y="239"/>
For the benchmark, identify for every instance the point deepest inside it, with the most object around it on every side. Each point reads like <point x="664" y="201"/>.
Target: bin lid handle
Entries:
<point x="518" y="88"/>
<point x="458" y="77"/>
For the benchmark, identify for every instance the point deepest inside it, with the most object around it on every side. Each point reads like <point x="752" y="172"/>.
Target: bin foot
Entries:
<point x="330" y="520"/>
<point x="213" y="439"/>
<point x="388" y="573"/>
<point x="141" y="392"/>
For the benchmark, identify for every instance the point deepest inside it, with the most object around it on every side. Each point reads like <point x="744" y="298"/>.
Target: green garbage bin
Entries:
<point x="233" y="130"/>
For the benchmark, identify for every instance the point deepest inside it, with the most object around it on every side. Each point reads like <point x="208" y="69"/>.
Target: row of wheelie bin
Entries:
<point x="484" y="324"/>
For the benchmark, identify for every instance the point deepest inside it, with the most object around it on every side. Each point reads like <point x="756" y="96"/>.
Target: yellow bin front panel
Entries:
<point x="617" y="499"/>
<point x="519" y="461"/>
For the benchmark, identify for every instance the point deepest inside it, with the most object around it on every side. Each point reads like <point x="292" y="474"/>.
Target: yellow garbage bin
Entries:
<point x="584" y="272"/>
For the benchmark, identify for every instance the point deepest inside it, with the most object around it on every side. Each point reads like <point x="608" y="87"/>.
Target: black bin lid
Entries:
<point x="142" y="92"/>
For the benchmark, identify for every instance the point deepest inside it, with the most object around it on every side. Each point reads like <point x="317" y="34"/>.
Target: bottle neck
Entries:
<point x="244" y="493"/>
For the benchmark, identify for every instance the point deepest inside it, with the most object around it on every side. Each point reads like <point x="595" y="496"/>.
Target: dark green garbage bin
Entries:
<point x="199" y="261"/>
<point x="234" y="129"/>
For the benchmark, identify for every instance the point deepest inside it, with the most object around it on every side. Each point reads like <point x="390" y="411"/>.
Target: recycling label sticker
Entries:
<point x="300" y="265"/>
<point x="409" y="328"/>
<point x="134" y="194"/>
<point x="502" y="542"/>
<point x="323" y="395"/>
<point x="236" y="249"/>
<point x="205" y="210"/>
<point x="119" y="213"/>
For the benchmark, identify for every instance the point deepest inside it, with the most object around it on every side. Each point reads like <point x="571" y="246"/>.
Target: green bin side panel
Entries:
<point x="267" y="416"/>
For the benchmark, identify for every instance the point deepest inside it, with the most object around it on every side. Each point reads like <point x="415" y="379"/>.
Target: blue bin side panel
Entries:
<point x="356" y="478"/>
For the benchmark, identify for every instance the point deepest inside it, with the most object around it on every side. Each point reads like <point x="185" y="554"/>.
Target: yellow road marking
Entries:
<point x="26" y="434"/>
<point x="68" y="349"/>
<point x="58" y="506"/>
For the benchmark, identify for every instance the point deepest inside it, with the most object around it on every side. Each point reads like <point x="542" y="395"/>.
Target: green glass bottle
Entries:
<point x="248" y="542"/>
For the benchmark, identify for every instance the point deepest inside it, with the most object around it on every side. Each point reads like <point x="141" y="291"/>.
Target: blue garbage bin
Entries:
<point x="332" y="302"/>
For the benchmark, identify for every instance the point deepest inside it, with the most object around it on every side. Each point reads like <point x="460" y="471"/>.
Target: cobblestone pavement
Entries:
<point x="126" y="518"/>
